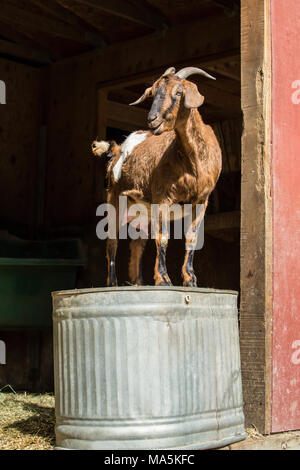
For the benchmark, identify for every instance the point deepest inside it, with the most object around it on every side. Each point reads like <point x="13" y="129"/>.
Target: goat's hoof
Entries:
<point x="164" y="281"/>
<point x="191" y="282"/>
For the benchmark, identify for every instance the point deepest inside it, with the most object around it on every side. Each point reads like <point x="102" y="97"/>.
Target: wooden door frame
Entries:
<point x="256" y="214"/>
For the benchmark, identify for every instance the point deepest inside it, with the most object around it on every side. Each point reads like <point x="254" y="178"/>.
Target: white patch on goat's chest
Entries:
<point x="127" y="147"/>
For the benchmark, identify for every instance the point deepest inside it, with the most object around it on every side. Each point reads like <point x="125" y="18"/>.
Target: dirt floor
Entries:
<point x="26" y="421"/>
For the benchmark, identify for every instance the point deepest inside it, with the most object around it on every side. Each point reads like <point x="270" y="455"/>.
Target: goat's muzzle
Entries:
<point x="154" y="123"/>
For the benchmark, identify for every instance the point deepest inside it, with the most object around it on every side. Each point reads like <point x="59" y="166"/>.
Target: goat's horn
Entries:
<point x="169" y="71"/>
<point x="143" y="97"/>
<point x="187" y="71"/>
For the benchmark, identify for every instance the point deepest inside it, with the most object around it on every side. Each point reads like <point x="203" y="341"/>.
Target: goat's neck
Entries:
<point x="190" y="134"/>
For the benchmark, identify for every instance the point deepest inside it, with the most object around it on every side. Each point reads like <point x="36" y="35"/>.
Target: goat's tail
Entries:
<point x="105" y="149"/>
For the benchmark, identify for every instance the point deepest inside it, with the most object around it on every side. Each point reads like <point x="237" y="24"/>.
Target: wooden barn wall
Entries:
<point x="19" y="142"/>
<point x="71" y="129"/>
<point x="29" y="361"/>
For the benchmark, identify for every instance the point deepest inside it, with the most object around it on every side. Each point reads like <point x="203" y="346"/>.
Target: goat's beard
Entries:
<point x="159" y="130"/>
<point x="163" y="127"/>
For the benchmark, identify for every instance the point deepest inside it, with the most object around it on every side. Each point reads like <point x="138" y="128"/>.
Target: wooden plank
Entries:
<point x="123" y="113"/>
<point x="230" y="68"/>
<point x="137" y="12"/>
<point x="20" y="35"/>
<point x="148" y="76"/>
<point x="231" y="7"/>
<point x="46" y="24"/>
<point x="19" y="155"/>
<point x="21" y="39"/>
<point x="187" y="44"/>
<point x="222" y="221"/>
<point x="229" y="134"/>
<point x="215" y="95"/>
<point x="256" y="214"/>
<point x="29" y="360"/>
<point x="72" y="127"/>
<point x="23" y="52"/>
<point x="66" y="16"/>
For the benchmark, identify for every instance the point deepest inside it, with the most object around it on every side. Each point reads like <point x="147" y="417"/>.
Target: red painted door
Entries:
<point x="286" y="214"/>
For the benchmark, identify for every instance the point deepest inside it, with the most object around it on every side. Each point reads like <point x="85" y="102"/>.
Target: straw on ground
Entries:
<point x="26" y="421"/>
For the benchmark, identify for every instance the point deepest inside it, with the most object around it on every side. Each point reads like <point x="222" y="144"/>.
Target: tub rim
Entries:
<point x="94" y="290"/>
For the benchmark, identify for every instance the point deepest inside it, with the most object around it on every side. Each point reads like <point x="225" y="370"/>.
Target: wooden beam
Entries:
<point x="23" y="52"/>
<point x="136" y="12"/>
<point x="66" y="16"/>
<point x="125" y="115"/>
<point x="207" y="62"/>
<point x="47" y="24"/>
<point x="123" y="95"/>
<point x="187" y="44"/>
<point x="256" y="214"/>
<point x="19" y="35"/>
<point x="220" y="98"/>
<point x="221" y="95"/>
<point x="231" y="7"/>
<point x="27" y="48"/>
<point x="230" y="68"/>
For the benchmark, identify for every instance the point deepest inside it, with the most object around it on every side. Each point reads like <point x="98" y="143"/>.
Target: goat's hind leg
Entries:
<point x="111" y="247"/>
<point x="137" y="248"/>
<point x="111" y="250"/>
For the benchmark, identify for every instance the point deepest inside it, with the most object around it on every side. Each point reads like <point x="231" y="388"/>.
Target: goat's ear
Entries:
<point x="143" y="97"/>
<point x="192" y="97"/>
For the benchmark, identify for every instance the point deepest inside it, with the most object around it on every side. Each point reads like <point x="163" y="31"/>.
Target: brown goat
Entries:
<point x="177" y="162"/>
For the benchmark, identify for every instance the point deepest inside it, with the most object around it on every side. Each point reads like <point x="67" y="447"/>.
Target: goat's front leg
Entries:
<point x="161" y="276"/>
<point x="191" y="238"/>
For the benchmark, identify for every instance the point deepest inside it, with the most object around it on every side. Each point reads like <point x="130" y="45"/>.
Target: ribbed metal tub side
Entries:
<point x="147" y="368"/>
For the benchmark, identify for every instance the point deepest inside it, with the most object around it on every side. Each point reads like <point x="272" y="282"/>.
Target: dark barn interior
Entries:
<point x="71" y="68"/>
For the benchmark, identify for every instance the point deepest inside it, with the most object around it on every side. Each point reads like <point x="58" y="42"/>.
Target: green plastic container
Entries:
<point x="29" y="272"/>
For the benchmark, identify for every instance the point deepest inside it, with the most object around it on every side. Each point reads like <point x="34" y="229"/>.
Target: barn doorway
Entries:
<point x="70" y="70"/>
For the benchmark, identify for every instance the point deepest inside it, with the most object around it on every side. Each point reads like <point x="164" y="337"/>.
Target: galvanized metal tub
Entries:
<point x="147" y="368"/>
